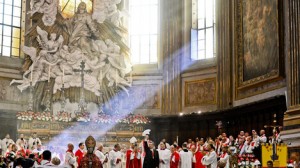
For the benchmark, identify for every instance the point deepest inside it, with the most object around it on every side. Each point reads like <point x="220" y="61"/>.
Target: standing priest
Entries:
<point x="115" y="157"/>
<point x="164" y="156"/>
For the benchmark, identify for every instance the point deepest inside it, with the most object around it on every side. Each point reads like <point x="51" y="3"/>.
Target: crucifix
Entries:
<point x="274" y="155"/>
<point x="82" y="106"/>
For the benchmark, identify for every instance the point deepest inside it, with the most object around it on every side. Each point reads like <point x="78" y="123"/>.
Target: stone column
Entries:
<point x="291" y="123"/>
<point x="171" y="50"/>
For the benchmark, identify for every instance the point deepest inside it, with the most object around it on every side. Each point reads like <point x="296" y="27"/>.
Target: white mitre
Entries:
<point x="133" y="140"/>
<point x="146" y="132"/>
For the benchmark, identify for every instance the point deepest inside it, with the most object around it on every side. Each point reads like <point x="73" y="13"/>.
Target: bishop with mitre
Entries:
<point x="133" y="156"/>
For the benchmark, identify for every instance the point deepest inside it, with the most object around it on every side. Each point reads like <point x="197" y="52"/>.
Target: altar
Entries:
<point x="56" y="133"/>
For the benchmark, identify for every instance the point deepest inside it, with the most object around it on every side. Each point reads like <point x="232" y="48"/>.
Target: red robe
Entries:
<point x="174" y="162"/>
<point x="134" y="163"/>
<point x="198" y="156"/>
<point x="79" y="154"/>
<point x="84" y="163"/>
<point x="22" y="153"/>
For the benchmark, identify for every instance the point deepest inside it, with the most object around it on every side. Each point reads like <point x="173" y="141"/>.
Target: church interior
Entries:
<point x="201" y="75"/>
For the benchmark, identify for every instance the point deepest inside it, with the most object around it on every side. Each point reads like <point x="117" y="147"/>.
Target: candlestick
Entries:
<point x="49" y="73"/>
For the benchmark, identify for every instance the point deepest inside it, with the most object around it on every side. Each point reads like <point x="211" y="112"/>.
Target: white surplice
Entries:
<point x="165" y="156"/>
<point x="70" y="160"/>
<point x="113" y="157"/>
<point x="210" y="159"/>
<point x="4" y="145"/>
<point x="186" y="159"/>
<point x="225" y="158"/>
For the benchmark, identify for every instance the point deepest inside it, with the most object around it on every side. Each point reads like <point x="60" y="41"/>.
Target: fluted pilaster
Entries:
<point x="171" y="39"/>
<point x="291" y="133"/>
<point x="224" y="52"/>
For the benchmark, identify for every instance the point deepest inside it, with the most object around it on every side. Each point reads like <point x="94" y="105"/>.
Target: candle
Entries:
<point x="49" y="73"/>
<point x="63" y="76"/>
<point x="31" y="74"/>
<point x="177" y="140"/>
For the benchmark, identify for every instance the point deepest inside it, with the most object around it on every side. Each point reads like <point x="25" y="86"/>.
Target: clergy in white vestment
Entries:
<point x="210" y="159"/>
<point x="34" y="141"/>
<point x="123" y="152"/>
<point x="21" y="141"/>
<point x="115" y="157"/>
<point x="5" y="143"/>
<point x="164" y="156"/>
<point x="101" y="155"/>
<point x="186" y="157"/>
<point x="262" y="138"/>
<point x="38" y="150"/>
<point x="70" y="158"/>
<point x="224" y="158"/>
<point x="166" y="143"/>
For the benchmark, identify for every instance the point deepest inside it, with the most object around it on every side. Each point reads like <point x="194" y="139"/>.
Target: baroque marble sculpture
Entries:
<point x="63" y="43"/>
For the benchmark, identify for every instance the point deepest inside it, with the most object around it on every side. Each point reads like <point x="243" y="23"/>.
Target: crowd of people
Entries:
<point x="221" y="152"/>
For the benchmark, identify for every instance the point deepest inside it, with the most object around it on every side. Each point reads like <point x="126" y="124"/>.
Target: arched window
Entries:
<point x="203" y="29"/>
<point x="10" y="27"/>
<point x="143" y="31"/>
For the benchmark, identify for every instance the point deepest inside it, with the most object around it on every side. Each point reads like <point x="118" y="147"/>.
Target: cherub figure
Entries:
<point x="47" y="7"/>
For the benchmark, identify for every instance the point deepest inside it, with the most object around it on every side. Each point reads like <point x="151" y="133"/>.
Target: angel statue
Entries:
<point x="46" y="56"/>
<point x="49" y="46"/>
<point x="108" y="10"/>
<point x="47" y="7"/>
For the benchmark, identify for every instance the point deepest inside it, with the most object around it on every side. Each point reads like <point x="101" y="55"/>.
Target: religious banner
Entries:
<point x="278" y="156"/>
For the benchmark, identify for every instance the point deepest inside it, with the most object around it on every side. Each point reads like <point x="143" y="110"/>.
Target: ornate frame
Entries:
<point x="276" y="75"/>
<point x="186" y="83"/>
